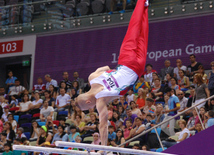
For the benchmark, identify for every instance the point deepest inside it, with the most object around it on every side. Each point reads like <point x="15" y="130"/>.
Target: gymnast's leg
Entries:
<point x="134" y="45"/>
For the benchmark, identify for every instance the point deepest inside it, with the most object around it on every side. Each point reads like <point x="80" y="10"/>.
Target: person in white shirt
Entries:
<point x="50" y="81"/>
<point x="17" y="89"/>
<point x="46" y="111"/>
<point x="24" y="105"/>
<point x="184" y="134"/>
<point x="130" y="97"/>
<point x="6" y="113"/>
<point x="37" y="103"/>
<point x="183" y="101"/>
<point x="62" y="101"/>
<point x="179" y="67"/>
<point x="20" y="133"/>
<point x="2" y="102"/>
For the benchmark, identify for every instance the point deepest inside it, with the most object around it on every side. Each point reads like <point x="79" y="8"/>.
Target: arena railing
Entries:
<point x="51" y="19"/>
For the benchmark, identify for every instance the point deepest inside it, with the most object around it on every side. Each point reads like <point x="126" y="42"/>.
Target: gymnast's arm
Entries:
<point x="103" y="69"/>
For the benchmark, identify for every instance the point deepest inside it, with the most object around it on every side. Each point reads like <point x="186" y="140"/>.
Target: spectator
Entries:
<point x="17" y="89"/>
<point x="158" y="90"/>
<point x="20" y="133"/>
<point x="6" y="113"/>
<point x="168" y="80"/>
<point x="129" y="116"/>
<point x="184" y="134"/>
<point x="119" y="138"/>
<point x="9" y="131"/>
<point x="183" y="101"/>
<point x="136" y="147"/>
<point x="43" y="136"/>
<point x="12" y="121"/>
<point x="91" y="127"/>
<point x="62" y="123"/>
<point x="63" y="85"/>
<point x="14" y="102"/>
<point x="122" y="112"/>
<point x="49" y="99"/>
<point x="62" y="101"/>
<point x="130" y="97"/>
<point x="50" y="81"/>
<point x="150" y="107"/>
<point x="191" y="97"/>
<point x="141" y="84"/>
<point x="202" y="112"/>
<point x="111" y="134"/>
<point x="96" y="139"/>
<point x="201" y="91"/>
<point x="183" y="81"/>
<point x="173" y="106"/>
<point x="210" y="121"/>
<point x="35" y="131"/>
<point x="201" y="71"/>
<point x="127" y="130"/>
<point x="46" y="111"/>
<point x="140" y="100"/>
<point x="174" y="85"/>
<point x="123" y="102"/>
<point x="73" y="134"/>
<point x="167" y="69"/>
<point x="40" y="86"/>
<point x="117" y="120"/>
<point x="24" y="105"/>
<point x="87" y="116"/>
<point x="36" y="104"/>
<point x="66" y="80"/>
<point x="159" y="116"/>
<point x="192" y="69"/>
<point x="52" y="128"/>
<point x="211" y="79"/>
<point x="52" y="91"/>
<point x="115" y="104"/>
<point x="77" y="87"/>
<point x="60" y="135"/>
<point x="79" y="80"/>
<point x="2" y="93"/>
<point x="79" y="123"/>
<point x="135" y="109"/>
<point x="78" y="111"/>
<point x="18" y="141"/>
<point x="198" y="128"/>
<point x="145" y="148"/>
<point x="3" y="141"/>
<point x="139" y="127"/>
<point x="212" y="104"/>
<point x="10" y="80"/>
<point x="192" y="121"/>
<point x="179" y="67"/>
<point x="7" y="149"/>
<point x="73" y="93"/>
<point x="2" y="102"/>
<point x="148" y="73"/>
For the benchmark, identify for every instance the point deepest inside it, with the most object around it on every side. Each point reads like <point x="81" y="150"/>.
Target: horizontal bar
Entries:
<point x="51" y="150"/>
<point x="105" y="148"/>
<point x="143" y="133"/>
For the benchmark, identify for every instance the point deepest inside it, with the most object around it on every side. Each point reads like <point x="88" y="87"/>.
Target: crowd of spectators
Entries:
<point x="48" y="113"/>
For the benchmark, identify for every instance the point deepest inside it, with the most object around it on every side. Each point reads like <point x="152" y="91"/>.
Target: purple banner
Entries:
<point x="86" y="51"/>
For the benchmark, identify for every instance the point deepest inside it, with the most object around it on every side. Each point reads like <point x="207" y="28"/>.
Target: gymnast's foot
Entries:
<point x="147" y="3"/>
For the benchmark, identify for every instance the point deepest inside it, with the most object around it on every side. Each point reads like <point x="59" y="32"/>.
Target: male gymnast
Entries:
<point x="107" y="84"/>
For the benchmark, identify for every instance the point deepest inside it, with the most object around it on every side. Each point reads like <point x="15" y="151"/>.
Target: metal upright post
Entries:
<point x="159" y="139"/>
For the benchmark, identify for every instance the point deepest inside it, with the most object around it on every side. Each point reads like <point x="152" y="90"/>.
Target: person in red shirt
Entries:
<point x="40" y="86"/>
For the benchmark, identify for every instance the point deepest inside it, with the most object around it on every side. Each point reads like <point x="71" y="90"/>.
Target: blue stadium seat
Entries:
<point x="27" y="134"/>
<point x="16" y="117"/>
<point x="27" y="127"/>
<point x="160" y="149"/>
<point x="26" y="116"/>
<point x="41" y="123"/>
<point x="63" y="113"/>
